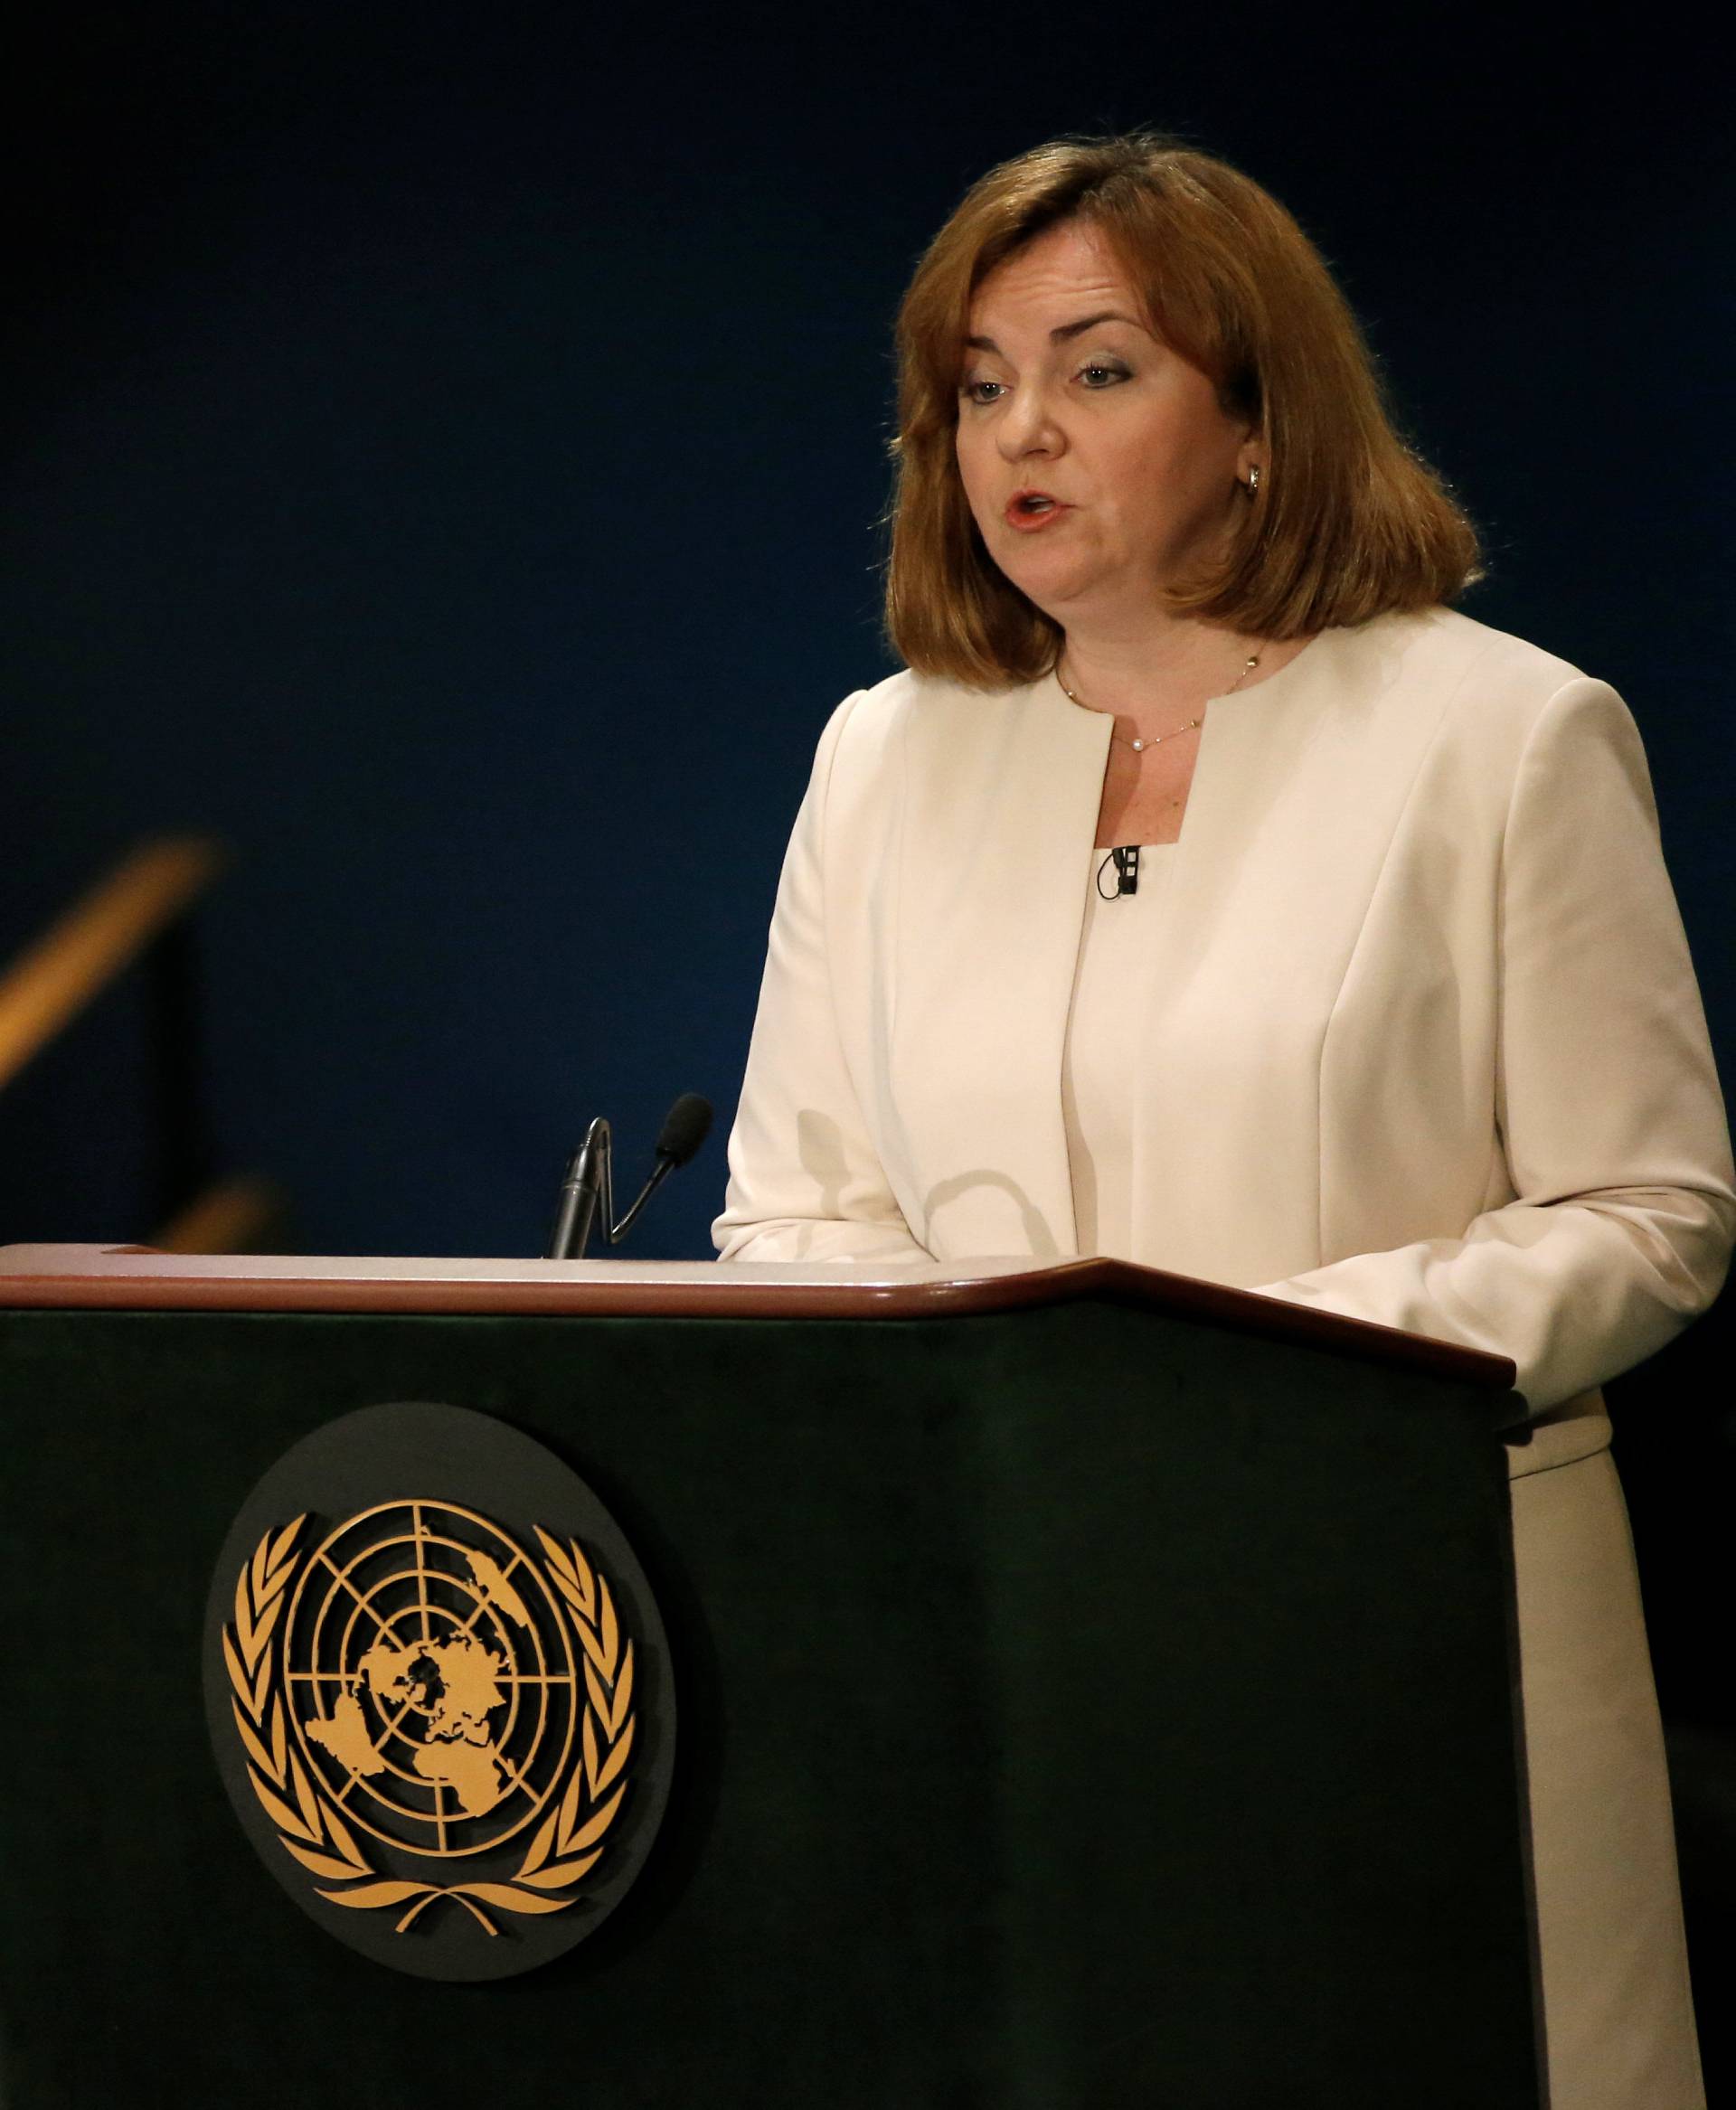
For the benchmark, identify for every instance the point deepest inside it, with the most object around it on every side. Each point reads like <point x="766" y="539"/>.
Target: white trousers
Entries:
<point x="1618" y="2015"/>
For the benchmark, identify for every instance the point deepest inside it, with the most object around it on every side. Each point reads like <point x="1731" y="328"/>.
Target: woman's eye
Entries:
<point x="1101" y="374"/>
<point x="983" y="392"/>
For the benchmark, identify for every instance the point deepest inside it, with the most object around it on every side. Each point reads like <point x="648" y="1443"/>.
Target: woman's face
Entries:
<point x="1098" y="463"/>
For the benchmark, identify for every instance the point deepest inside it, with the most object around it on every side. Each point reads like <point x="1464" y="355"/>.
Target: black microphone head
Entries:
<point x="685" y="1127"/>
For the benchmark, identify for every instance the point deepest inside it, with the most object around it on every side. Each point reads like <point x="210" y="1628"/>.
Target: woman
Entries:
<point x="1207" y="893"/>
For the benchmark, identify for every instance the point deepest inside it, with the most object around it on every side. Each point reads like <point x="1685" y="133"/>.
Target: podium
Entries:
<point x="1095" y="1687"/>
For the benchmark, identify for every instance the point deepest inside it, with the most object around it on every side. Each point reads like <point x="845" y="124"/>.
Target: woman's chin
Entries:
<point x="1054" y="583"/>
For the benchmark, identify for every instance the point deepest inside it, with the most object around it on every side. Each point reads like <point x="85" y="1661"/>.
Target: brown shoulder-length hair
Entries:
<point x="1348" y="523"/>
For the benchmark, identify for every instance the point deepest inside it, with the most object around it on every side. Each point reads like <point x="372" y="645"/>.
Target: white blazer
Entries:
<point x="1430" y="1049"/>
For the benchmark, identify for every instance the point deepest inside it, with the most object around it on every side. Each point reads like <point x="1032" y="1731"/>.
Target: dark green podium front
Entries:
<point x="1095" y="1689"/>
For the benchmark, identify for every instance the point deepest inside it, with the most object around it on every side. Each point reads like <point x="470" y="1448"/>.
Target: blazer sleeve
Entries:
<point x="1606" y="1098"/>
<point x="805" y="1182"/>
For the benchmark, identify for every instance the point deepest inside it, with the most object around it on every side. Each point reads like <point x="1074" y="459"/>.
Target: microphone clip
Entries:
<point x="1125" y="862"/>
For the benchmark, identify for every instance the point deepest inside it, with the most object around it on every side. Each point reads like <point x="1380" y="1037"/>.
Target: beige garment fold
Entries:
<point x="1618" y="2014"/>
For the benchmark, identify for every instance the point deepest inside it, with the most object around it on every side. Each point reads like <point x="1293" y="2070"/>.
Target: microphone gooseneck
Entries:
<point x="588" y="1188"/>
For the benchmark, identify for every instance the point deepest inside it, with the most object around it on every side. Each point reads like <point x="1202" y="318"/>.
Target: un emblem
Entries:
<point x="448" y="1728"/>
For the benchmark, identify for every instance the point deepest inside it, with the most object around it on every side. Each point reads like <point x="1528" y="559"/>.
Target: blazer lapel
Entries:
<point x="1003" y="796"/>
<point x="1295" y="799"/>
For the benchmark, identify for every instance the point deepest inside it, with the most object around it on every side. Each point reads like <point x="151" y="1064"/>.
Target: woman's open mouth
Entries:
<point x="1029" y="509"/>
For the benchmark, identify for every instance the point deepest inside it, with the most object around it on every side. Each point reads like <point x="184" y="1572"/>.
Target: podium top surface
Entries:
<point x="134" y="1278"/>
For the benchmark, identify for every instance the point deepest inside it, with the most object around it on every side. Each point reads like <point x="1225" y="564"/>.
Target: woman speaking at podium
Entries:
<point x="1209" y="894"/>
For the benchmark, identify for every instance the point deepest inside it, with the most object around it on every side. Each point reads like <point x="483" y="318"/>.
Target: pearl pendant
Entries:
<point x="1139" y="747"/>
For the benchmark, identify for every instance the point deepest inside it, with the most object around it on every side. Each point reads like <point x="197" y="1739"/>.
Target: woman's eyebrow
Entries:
<point x="1062" y="330"/>
<point x="1109" y="314"/>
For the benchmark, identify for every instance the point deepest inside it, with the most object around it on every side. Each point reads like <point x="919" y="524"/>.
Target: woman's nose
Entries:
<point x="1029" y="426"/>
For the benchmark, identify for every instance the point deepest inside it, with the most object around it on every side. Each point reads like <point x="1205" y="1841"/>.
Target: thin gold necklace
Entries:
<point x="1156" y="739"/>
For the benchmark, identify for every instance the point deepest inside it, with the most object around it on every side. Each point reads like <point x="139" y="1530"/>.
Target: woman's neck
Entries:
<point x="1176" y="663"/>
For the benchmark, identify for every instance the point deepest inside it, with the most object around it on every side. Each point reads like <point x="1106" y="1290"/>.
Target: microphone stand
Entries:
<point x="589" y="1185"/>
<point x="587" y="1191"/>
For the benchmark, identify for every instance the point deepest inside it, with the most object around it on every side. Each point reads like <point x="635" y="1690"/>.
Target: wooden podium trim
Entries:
<point x="132" y="1278"/>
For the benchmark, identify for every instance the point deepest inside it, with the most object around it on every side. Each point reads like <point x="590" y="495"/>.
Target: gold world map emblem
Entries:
<point x="432" y="1688"/>
<point x="435" y="1714"/>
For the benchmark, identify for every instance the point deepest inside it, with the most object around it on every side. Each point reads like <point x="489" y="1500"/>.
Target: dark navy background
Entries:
<point x="442" y="456"/>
